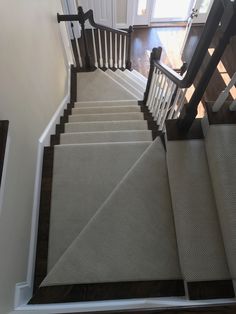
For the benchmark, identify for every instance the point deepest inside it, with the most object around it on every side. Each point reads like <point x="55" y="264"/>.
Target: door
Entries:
<point x="142" y="12"/>
<point x="202" y="8"/>
<point x="199" y="15"/>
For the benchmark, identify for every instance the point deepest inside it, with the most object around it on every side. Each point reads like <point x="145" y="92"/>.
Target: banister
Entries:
<point x="200" y="52"/>
<point x="88" y="16"/>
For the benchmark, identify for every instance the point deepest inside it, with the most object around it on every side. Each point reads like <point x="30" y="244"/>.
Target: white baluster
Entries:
<point x="167" y="106"/>
<point x="232" y="107"/>
<point x="100" y="49"/>
<point x="106" y="53"/>
<point x="111" y="52"/>
<point x="94" y="50"/>
<point x="159" y="78"/>
<point x="124" y="55"/>
<point x="224" y="95"/>
<point x="151" y="90"/>
<point x="159" y="97"/>
<point x="79" y="53"/>
<point x="156" y="74"/>
<point x="116" y="65"/>
<point x="174" y="105"/>
<point x="181" y="104"/>
<point x="120" y="52"/>
<point x="163" y="100"/>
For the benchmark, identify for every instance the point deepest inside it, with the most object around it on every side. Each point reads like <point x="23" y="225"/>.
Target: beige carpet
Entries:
<point x="132" y="236"/>
<point x="199" y="238"/>
<point x="221" y="152"/>
<point x="95" y="86"/>
<point x="83" y="177"/>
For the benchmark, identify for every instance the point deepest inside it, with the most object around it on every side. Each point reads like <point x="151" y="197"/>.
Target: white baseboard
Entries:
<point x="24" y="290"/>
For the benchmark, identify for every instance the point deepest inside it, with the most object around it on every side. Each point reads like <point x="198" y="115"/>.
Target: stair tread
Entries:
<point x="83" y="177"/>
<point x="106" y="116"/>
<point x="221" y="151"/>
<point x="119" y="78"/>
<point x="199" y="238"/>
<point x="127" y="76"/>
<point x="106" y="126"/>
<point x="139" y="78"/>
<point x="132" y="235"/>
<point x="113" y="109"/>
<point x="106" y="136"/>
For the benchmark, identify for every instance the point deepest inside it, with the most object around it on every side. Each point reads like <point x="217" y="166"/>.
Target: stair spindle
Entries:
<point x="181" y="104"/>
<point x="175" y="103"/>
<point x="164" y="100"/>
<point x="152" y="90"/>
<point x="116" y="65"/>
<point x="100" y="49"/>
<point x="120" y="52"/>
<point x="106" y="52"/>
<point x="166" y="108"/>
<point x="159" y="97"/>
<point x="156" y="90"/>
<point x="124" y="54"/>
<point x="94" y="50"/>
<point x="111" y="52"/>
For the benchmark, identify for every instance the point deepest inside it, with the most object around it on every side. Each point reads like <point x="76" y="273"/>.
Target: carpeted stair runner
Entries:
<point x="117" y="76"/>
<point x="201" y="249"/>
<point x="221" y="153"/>
<point x="106" y="136"/>
<point x="106" y="126"/>
<point x="129" y="238"/>
<point x="125" y="210"/>
<point x="83" y="177"/>
<point x="95" y="86"/>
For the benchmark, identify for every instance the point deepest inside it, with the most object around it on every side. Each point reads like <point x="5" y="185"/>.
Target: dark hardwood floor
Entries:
<point x="171" y="39"/>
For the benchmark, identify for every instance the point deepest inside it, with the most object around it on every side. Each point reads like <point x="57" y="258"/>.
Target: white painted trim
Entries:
<point x="24" y="290"/>
<point x="95" y="306"/>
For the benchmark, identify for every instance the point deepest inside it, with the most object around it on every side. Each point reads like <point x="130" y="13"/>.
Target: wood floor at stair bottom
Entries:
<point x="108" y="291"/>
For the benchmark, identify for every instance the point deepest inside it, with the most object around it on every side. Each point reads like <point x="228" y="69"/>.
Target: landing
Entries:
<point x="99" y="86"/>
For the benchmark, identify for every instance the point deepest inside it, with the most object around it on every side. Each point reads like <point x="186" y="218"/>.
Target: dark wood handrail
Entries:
<point x="200" y="52"/>
<point x="102" y="27"/>
<point x="88" y="16"/>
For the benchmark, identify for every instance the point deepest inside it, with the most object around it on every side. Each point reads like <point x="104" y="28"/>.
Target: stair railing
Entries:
<point x="99" y="46"/>
<point x="224" y="95"/>
<point x="166" y="89"/>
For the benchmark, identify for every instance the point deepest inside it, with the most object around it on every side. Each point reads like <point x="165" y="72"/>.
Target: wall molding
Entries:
<point x="24" y="290"/>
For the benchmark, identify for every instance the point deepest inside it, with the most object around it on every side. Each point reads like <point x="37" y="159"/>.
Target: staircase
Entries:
<point x="122" y="222"/>
<point x="138" y="196"/>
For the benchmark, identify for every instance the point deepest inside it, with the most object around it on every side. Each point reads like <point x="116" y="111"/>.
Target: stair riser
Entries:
<point x="108" y="117"/>
<point x="106" y="103"/>
<point x="105" y="110"/>
<point x="105" y="137"/>
<point x="125" y="84"/>
<point x="100" y="126"/>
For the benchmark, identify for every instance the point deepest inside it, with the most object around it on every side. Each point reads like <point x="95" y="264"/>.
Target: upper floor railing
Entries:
<point x="99" y="46"/>
<point x="165" y="92"/>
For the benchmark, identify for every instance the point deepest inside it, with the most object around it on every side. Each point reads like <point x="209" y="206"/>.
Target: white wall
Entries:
<point x="32" y="84"/>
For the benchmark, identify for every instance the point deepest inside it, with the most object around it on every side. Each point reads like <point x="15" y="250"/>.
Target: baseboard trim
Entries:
<point x="108" y="291"/>
<point x="24" y="290"/>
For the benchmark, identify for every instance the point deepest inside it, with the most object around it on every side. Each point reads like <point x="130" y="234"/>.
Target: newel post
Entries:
<point x="128" y="61"/>
<point x="155" y="56"/>
<point x="82" y="20"/>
